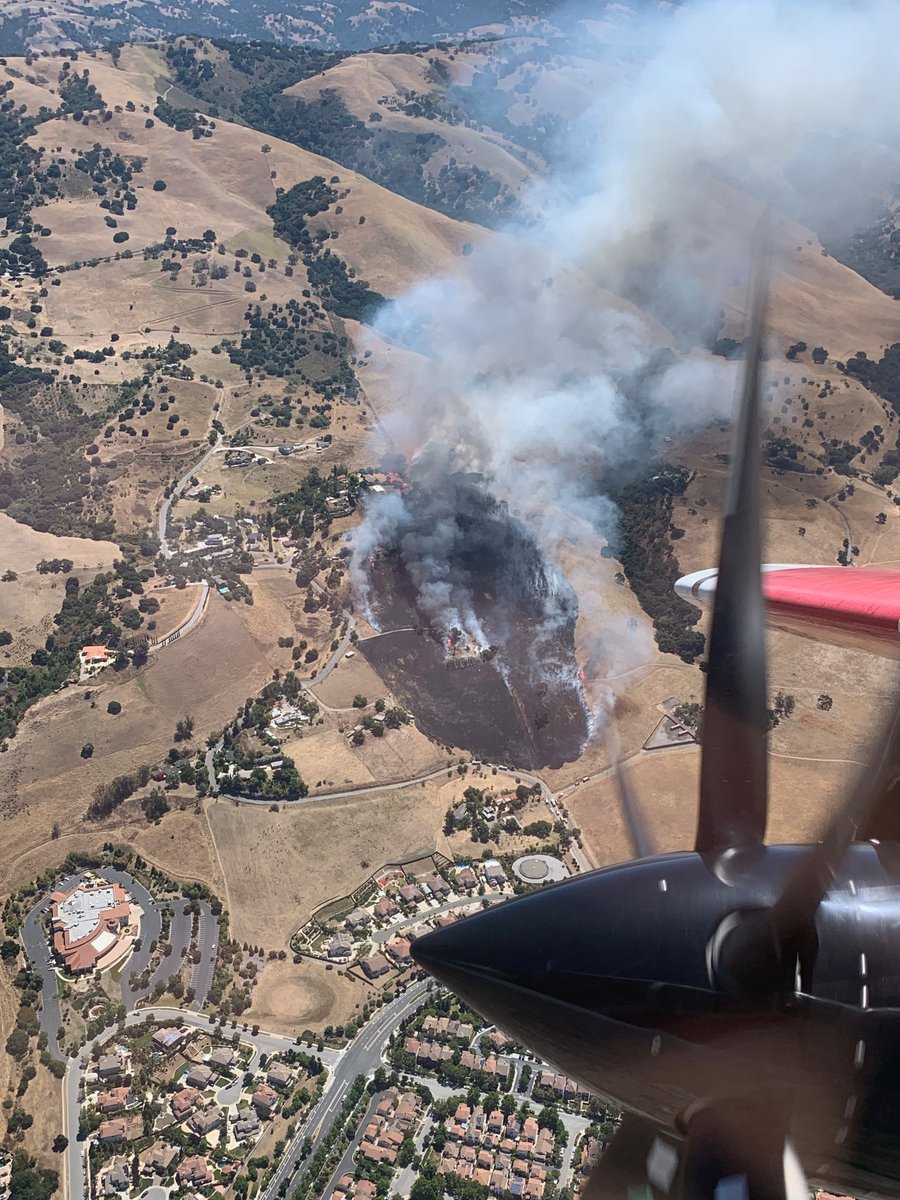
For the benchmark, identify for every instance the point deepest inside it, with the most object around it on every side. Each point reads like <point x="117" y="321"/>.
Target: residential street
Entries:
<point x="362" y="1057"/>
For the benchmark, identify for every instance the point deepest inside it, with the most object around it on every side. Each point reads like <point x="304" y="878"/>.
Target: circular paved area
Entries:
<point x="540" y="868"/>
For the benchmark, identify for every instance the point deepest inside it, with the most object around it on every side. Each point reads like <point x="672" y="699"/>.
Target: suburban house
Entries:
<point x="158" y="1159"/>
<point x="205" y="1120"/>
<point x="466" y="879"/>
<point x="436" y="886"/>
<point x="121" y="1129"/>
<point x="223" y="1058"/>
<point x="194" y="1171"/>
<point x="116" y="1178"/>
<point x="109" y="1065"/>
<point x="341" y="945"/>
<point x="245" y="1124"/>
<point x="265" y="1098"/>
<point x="357" y="920"/>
<point x="184" y="1102"/>
<point x="375" y="966"/>
<point x="199" y="1076"/>
<point x="86" y="923"/>
<point x="115" y="1099"/>
<point x="494" y="874"/>
<point x="399" y="951"/>
<point x="279" y="1075"/>
<point x="411" y="895"/>
<point x="169" y="1038"/>
<point x="385" y="908"/>
<point x="348" y="1188"/>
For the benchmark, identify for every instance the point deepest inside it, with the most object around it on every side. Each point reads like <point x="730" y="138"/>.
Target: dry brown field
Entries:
<point x="44" y="780"/>
<point x="280" y="866"/>
<point x="175" y="606"/>
<point x="289" y="998"/>
<point x="364" y="79"/>
<point x="325" y="759"/>
<point x="351" y="677"/>
<point x="29" y="603"/>
<point x="665" y="783"/>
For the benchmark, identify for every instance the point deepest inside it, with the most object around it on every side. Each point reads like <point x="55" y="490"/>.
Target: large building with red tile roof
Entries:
<point x="86" y="924"/>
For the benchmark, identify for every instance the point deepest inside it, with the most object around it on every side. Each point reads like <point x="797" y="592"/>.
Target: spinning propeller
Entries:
<point x="665" y="983"/>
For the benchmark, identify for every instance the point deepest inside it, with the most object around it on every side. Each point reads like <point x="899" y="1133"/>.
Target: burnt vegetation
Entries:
<point x="643" y="545"/>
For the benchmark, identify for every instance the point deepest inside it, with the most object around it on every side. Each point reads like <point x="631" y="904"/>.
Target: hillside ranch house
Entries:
<point x="92" y="660"/>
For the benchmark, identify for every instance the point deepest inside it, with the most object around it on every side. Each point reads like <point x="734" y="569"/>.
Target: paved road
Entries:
<point x="162" y="519"/>
<point x="185" y="627"/>
<point x="267" y="1043"/>
<point x="179" y="937"/>
<point x="378" y="936"/>
<point x="361" y="1057"/>
<point x="38" y="951"/>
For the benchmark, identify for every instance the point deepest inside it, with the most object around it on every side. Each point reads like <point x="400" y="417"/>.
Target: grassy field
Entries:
<point x="289" y="998"/>
<point x="29" y="603"/>
<point x="45" y="779"/>
<point x="280" y="866"/>
<point x="324" y="758"/>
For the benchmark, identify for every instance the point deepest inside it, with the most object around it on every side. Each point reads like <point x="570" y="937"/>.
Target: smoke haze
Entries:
<point x="567" y="343"/>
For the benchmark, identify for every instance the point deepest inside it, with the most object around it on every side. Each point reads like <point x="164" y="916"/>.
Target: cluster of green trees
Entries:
<point x="108" y="796"/>
<point x="181" y="119"/>
<point x="881" y="376"/>
<point x="28" y="1182"/>
<point x="304" y="509"/>
<point x="291" y="210"/>
<point x="352" y="298"/>
<point x="643" y="545"/>
<point x="276" y="343"/>
<point x="77" y="93"/>
<point x="86" y="615"/>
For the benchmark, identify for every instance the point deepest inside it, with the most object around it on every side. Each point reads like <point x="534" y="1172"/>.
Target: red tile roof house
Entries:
<point x="114" y="1099"/>
<point x="194" y="1171"/>
<point x="375" y="965"/>
<point x="265" y="1098"/>
<point x="386" y="908"/>
<point x="122" y="1129"/>
<point x="86" y="922"/>
<point x="399" y="950"/>
<point x="184" y="1102"/>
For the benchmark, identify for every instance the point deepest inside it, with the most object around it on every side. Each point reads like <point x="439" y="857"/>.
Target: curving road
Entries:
<point x="162" y="519"/>
<point x="266" y="1043"/>
<point x="361" y="1057"/>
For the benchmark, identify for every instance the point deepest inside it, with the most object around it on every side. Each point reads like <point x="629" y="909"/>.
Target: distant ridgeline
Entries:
<point x="247" y="82"/>
<point x="350" y="24"/>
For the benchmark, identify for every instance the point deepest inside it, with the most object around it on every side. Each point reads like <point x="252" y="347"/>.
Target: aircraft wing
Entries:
<point x="854" y="607"/>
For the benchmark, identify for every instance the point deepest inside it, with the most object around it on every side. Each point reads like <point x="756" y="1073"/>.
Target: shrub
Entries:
<point x="159" y="185"/>
<point x="114" y="707"/>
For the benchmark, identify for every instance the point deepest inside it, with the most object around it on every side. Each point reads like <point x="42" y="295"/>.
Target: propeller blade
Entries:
<point x="739" y="1149"/>
<point x="641" y="842"/>
<point x="637" y="1155"/>
<point x="734" y="769"/>
<point x="869" y="807"/>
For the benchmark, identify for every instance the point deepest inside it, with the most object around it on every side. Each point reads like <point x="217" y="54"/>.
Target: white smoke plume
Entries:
<point x="542" y="371"/>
